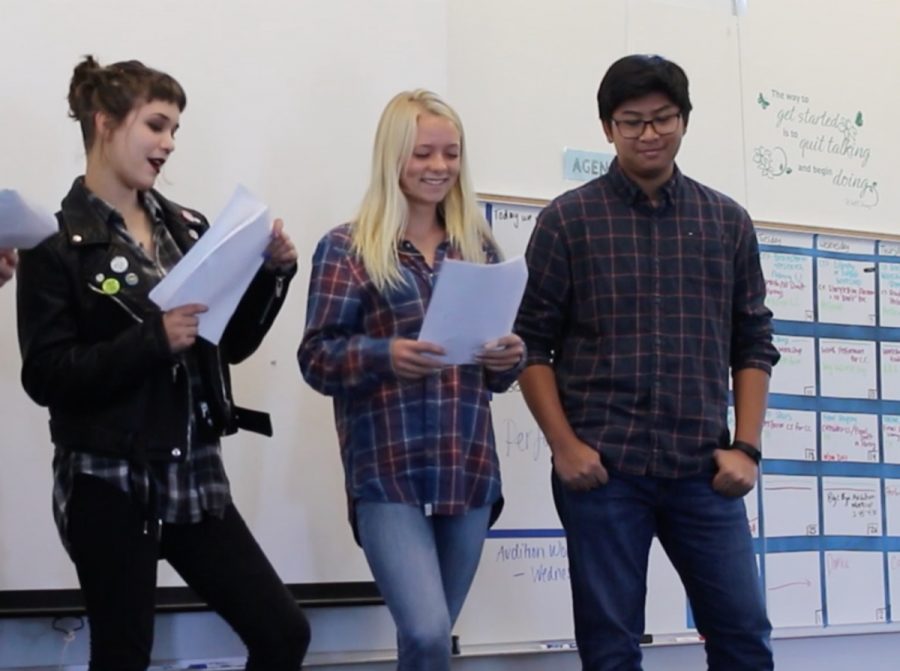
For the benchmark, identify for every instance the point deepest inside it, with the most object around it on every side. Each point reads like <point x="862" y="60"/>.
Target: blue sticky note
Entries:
<point x="581" y="166"/>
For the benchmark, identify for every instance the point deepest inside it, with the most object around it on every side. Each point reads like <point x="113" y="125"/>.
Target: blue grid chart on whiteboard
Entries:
<point x="829" y="494"/>
<point x="826" y="514"/>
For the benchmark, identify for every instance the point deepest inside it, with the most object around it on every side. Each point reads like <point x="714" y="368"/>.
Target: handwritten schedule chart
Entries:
<point x="794" y="589"/>
<point x="889" y="293"/>
<point x="855" y="587"/>
<point x="852" y="506"/>
<point x="829" y="494"/>
<point x="890" y="438"/>
<point x="789" y="285"/>
<point x="796" y="371"/>
<point x="846" y="291"/>
<point x="793" y="434"/>
<point x="849" y="436"/>
<point x="796" y="498"/>
<point x="847" y="368"/>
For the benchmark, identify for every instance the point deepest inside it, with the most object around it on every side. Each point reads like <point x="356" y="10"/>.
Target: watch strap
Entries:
<point x="748" y="449"/>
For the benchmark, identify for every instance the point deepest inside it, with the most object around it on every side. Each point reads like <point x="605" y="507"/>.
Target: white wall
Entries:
<point x="524" y="75"/>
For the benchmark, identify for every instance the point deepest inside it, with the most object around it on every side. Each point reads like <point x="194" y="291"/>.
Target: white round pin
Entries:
<point x="119" y="264"/>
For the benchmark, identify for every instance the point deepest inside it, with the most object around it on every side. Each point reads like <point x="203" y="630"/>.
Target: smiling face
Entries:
<point x="135" y="150"/>
<point x="650" y="157"/>
<point x="433" y="167"/>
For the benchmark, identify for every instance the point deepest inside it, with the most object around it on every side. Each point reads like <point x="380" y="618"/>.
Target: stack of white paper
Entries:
<point x="218" y="269"/>
<point x="473" y="304"/>
<point x="22" y="224"/>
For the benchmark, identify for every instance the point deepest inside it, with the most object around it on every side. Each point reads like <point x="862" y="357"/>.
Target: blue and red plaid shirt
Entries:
<point x="641" y="310"/>
<point x="427" y="442"/>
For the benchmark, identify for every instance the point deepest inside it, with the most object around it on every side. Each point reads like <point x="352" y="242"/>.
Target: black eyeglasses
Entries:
<point x="632" y="129"/>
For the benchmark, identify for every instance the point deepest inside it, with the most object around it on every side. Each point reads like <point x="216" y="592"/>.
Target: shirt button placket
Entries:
<point x="657" y="343"/>
<point x="431" y="436"/>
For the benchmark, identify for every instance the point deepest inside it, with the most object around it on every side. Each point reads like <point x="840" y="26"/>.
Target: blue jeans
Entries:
<point x="707" y="538"/>
<point x="423" y="567"/>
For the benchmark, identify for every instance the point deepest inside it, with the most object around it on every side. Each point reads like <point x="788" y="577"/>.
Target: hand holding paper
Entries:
<point x="472" y="305"/>
<point x="182" y="325"/>
<point x="502" y="354"/>
<point x="23" y="224"/>
<point x="414" y="359"/>
<point x="218" y="269"/>
<point x="281" y="253"/>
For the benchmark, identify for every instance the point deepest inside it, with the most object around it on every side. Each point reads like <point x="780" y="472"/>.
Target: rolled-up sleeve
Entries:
<point x="751" y="336"/>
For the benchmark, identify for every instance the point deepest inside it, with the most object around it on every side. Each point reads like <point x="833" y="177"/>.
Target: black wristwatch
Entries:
<point x="747" y="449"/>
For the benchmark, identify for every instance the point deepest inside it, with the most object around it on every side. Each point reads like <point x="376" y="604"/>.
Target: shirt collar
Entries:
<point x="632" y="194"/>
<point x="110" y="215"/>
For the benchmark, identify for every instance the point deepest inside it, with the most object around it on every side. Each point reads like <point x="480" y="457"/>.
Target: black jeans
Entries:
<point x="219" y="558"/>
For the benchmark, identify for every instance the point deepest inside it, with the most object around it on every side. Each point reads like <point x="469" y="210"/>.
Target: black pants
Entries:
<point x="219" y="558"/>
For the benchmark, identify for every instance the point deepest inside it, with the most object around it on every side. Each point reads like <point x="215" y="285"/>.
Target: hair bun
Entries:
<point x="83" y="85"/>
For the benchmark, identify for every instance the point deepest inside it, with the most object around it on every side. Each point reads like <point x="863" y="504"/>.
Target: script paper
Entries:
<point x="218" y="269"/>
<point x="472" y="304"/>
<point x="22" y="224"/>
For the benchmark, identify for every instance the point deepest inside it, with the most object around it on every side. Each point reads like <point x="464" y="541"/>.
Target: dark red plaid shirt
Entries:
<point x="641" y="310"/>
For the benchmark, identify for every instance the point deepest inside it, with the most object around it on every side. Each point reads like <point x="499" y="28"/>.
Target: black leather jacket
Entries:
<point x="100" y="360"/>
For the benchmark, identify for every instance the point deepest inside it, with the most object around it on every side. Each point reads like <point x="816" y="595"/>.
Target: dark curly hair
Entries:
<point x="115" y="90"/>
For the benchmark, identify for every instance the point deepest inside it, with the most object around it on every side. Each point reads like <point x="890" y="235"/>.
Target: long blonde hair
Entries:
<point x="382" y="217"/>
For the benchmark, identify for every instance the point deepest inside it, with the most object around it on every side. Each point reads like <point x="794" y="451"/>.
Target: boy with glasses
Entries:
<point x="644" y="290"/>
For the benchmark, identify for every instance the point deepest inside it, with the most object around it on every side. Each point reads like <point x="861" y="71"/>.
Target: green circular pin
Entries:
<point x="110" y="286"/>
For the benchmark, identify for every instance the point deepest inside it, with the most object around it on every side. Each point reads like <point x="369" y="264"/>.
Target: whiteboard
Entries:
<point x="825" y="515"/>
<point x="822" y="54"/>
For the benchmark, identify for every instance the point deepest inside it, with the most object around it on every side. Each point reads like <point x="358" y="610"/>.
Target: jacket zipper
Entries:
<point x="190" y="424"/>
<point x="222" y="384"/>
<point x="279" y="290"/>
<point x="136" y="318"/>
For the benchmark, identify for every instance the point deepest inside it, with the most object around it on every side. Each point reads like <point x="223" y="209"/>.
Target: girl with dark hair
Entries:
<point x="137" y="402"/>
